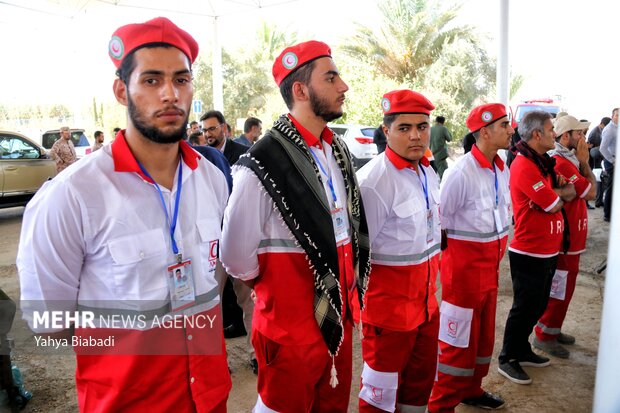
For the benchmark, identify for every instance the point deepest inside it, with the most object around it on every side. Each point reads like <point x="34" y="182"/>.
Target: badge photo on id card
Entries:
<point x="181" y="285"/>
<point x="429" y="226"/>
<point x="341" y="228"/>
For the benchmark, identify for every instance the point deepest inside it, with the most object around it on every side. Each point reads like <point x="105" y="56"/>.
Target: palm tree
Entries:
<point x="412" y="37"/>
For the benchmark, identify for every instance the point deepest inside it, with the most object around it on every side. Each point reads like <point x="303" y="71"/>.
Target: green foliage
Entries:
<point x="412" y="36"/>
<point x="363" y="104"/>
<point x="248" y="85"/>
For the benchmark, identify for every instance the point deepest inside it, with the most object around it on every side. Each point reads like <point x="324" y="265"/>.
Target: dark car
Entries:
<point x="24" y="167"/>
<point x="80" y="141"/>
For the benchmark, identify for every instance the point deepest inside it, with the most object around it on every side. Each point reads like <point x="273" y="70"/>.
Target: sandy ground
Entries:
<point x="565" y="386"/>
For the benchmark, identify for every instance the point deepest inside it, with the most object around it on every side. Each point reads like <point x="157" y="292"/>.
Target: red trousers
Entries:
<point x="295" y="378"/>
<point x="399" y="367"/>
<point x="462" y="366"/>
<point x="564" y="281"/>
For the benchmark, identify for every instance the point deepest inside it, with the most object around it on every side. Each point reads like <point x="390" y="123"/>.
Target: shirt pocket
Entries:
<point x="455" y="324"/>
<point x="209" y="233"/>
<point x="409" y="215"/>
<point x="139" y="266"/>
<point x="484" y="216"/>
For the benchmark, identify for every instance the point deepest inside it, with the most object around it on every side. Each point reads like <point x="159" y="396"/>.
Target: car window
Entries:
<point x="339" y="131"/>
<point x="12" y="147"/>
<point x="78" y="138"/>
<point x="368" y="132"/>
<point x="522" y="110"/>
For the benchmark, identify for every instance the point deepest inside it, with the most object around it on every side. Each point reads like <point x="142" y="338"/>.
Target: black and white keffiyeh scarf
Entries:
<point x="284" y="165"/>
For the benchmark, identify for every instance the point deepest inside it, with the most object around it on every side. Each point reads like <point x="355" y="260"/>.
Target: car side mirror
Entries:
<point x="44" y="154"/>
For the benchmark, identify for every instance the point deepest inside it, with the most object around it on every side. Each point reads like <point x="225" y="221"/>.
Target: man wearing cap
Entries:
<point x="538" y="194"/>
<point x="295" y="229"/>
<point x="475" y="215"/>
<point x="400" y="319"/>
<point x="572" y="160"/>
<point x="107" y="237"/>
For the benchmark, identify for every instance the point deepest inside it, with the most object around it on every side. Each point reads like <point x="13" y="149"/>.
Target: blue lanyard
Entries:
<point x="173" y="224"/>
<point x="329" y="177"/>
<point x="496" y="190"/>
<point x="424" y="185"/>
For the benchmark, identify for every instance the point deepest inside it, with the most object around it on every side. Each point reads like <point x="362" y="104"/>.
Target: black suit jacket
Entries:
<point x="233" y="150"/>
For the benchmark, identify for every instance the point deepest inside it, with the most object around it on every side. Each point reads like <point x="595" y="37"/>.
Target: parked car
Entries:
<point x="546" y="105"/>
<point x="80" y="141"/>
<point x="359" y="141"/>
<point x="24" y="167"/>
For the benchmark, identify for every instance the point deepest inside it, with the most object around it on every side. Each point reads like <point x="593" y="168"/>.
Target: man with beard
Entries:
<point x="572" y="160"/>
<point x="98" y="141"/>
<point x="400" y="319"/>
<point x="475" y="215"/>
<point x="295" y="229"/>
<point x="216" y="132"/>
<point x="538" y="194"/>
<point x="109" y="235"/>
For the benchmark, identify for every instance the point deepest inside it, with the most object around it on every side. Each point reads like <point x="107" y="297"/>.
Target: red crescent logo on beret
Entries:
<point x="116" y="47"/>
<point x="487" y="116"/>
<point x="289" y="60"/>
<point x="385" y="104"/>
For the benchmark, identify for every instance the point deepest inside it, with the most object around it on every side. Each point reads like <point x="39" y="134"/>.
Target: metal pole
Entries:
<point x="606" y="394"/>
<point x="218" y="82"/>
<point x="502" y="60"/>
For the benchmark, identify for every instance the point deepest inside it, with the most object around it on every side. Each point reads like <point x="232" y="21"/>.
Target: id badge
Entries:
<point x="498" y="221"/>
<point x="429" y="226"/>
<point x="341" y="228"/>
<point x="181" y="285"/>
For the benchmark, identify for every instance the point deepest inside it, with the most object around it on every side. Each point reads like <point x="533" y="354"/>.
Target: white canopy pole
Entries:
<point x="607" y="390"/>
<point x="502" y="60"/>
<point x="218" y="82"/>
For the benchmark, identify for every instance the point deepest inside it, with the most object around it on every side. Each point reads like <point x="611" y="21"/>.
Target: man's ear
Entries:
<point x="300" y="91"/>
<point x="120" y="91"/>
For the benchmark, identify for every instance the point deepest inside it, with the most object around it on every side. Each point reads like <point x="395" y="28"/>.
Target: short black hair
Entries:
<point x="194" y="138"/>
<point x="605" y="121"/>
<point x="192" y="123"/>
<point x="300" y="75"/>
<point x="213" y="114"/>
<point x="389" y="119"/>
<point x="128" y="64"/>
<point x="250" y="123"/>
<point x="98" y="133"/>
<point x="116" y="130"/>
<point x="440" y="119"/>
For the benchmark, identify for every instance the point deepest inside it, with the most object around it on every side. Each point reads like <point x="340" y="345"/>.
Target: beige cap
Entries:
<point x="568" y="123"/>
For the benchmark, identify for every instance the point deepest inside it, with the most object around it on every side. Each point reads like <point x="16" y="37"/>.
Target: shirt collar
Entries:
<point x="483" y="161"/>
<point x="401" y="163"/>
<point x="327" y="135"/>
<point x="124" y="161"/>
<point x="224" y="145"/>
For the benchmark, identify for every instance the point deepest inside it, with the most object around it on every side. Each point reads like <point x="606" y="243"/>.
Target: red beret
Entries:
<point x="294" y="57"/>
<point x="484" y="115"/>
<point x="128" y="38"/>
<point x="405" y="101"/>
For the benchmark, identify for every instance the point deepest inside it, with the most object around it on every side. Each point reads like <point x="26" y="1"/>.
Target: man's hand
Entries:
<point x="561" y="181"/>
<point x="566" y="192"/>
<point x="582" y="152"/>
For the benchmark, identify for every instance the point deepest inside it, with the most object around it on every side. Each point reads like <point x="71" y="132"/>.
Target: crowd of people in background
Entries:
<point x="304" y="249"/>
